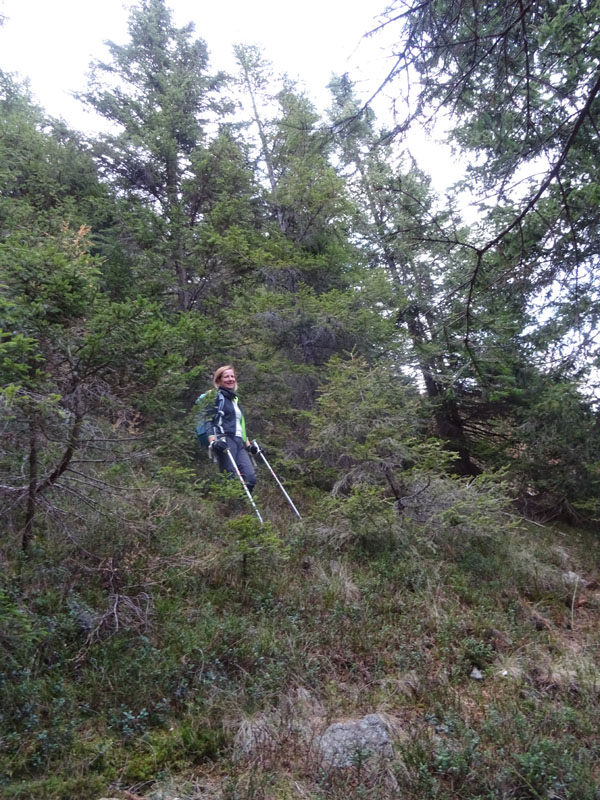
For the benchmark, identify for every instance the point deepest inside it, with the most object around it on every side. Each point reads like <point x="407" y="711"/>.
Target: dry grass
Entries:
<point x="256" y="668"/>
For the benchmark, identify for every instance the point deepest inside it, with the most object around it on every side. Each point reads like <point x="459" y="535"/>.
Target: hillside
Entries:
<point x="423" y="379"/>
<point x="203" y="656"/>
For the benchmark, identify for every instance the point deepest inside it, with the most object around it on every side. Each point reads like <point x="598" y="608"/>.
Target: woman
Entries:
<point x="226" y="428"/>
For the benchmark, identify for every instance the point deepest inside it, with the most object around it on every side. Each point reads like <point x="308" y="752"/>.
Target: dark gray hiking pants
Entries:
<point x="241" y="458"/>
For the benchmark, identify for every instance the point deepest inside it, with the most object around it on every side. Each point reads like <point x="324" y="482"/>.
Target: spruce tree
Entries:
<point x="161" y="99"/>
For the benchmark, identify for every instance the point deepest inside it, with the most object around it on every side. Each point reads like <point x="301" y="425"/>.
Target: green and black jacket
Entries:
<point x="220" y="416"/>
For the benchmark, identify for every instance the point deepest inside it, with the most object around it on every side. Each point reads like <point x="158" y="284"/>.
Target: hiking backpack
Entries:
<point x="203" y="402"/>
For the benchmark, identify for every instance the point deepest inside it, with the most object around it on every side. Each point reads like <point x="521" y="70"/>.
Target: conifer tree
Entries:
<point x="71" y="358"/>
<point x="521" y="88"/>
<point x="397" y="224"/>
<point x="161" y="99"/>
<point x="469" y="341"/>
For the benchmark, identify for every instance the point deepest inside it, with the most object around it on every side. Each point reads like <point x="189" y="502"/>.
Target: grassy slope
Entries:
<point x="204" y="654"/>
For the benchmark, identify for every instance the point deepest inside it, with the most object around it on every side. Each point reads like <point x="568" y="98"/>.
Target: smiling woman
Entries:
<point x="226" y="428"/>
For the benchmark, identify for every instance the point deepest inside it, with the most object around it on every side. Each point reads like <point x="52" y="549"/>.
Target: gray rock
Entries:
<point x="476" y="674"/>
<point x="345" y="744"/>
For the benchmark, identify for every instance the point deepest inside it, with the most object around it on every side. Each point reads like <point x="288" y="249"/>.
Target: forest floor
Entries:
<point x="209" y="663"/>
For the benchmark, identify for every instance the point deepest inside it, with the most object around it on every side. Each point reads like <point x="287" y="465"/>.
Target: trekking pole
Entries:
<point x="287" y="497"/>
<point x="243" y="482"/>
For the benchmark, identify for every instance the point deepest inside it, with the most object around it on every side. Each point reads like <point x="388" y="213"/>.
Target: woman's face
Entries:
<point x="228" y="379"/>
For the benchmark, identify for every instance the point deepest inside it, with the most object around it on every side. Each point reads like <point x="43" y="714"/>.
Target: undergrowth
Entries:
<point x="199" y="654"/>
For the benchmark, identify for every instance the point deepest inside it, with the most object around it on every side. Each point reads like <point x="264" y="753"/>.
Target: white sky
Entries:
<point x="52" y="42"/>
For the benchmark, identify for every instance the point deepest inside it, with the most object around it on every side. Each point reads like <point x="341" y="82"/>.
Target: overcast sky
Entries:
<point x="52" y="42"/>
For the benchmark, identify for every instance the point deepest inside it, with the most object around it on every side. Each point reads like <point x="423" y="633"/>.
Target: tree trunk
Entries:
<point x="31" y="489"/>
<point x="447" y="416"/>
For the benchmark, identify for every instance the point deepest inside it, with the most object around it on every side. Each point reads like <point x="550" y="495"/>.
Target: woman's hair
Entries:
<point x="218" y="374"/>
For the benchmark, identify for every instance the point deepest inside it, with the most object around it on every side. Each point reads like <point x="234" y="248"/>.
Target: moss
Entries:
<point x="56" y="788"/>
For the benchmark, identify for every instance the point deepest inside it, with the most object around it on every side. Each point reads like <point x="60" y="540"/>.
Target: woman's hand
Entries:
<point x="218" y="445"/>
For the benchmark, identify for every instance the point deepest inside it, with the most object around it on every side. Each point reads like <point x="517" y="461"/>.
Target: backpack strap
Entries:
<point x="220" y="411"/>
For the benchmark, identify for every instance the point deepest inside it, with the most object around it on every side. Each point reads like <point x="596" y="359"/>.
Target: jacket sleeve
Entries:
<point x="213" y="414"/>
